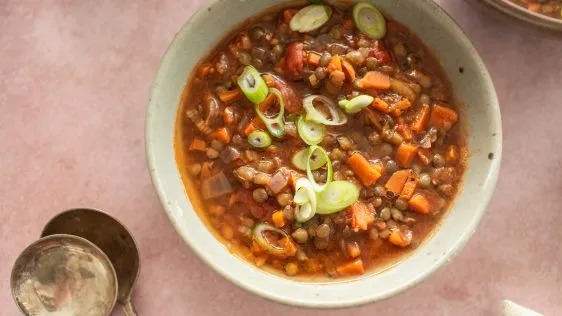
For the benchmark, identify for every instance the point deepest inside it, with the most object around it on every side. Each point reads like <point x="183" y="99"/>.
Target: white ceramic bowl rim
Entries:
<point x="484" y="126"/>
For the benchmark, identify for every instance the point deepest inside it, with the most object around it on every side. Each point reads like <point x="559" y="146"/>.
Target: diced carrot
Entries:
<point x="269" y="80"/>
<point x="289" y="246"/>
<point x="443" y="117"/>
<point x="249" y="129"/>
<point x="419" y="203"/>
<point x="266" y="104"/>
<point x="255" y="124"/>
<point x="288" y="15"/>
<point x="313" y="59"/>
<point x="230" y="96"/>
<point x="347" y="24"/>
<point x="421" y="119"/>
<point x="380" y="105"/>
<point x="353" y="249"/>
<point x="351" y="268"/>
<point x="424" y="155"/>
<point x="401" y="106"/>
<point x="222" y="135"/>
<point x="376" y="80"/>
<point x="452" y="153"/>
<point x="373" y="117"/>
<point x="399" y="238"/>
<point x="349" y="70"/>
<point x="198" y="145"/>
<point x="360" y="216"/>
<point x="335" y="64"/>
<point x="278" y="219"/>
<point x="405" y="132"/>
<point x="405" y="154"/>
<point x="409" y="188"/>
<point x="366" y="172"/>
<point x="396" y="182"/>
<point x="534" y="7"/>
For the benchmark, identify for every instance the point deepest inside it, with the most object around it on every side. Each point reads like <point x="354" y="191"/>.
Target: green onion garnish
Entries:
<point x="311" y="133"/>
<point x="259" y="139"/>
<point x="337" y="196"/>
<point x="310" y="18"/>
<point x="270" y="247"/>
<point x="314" y="149"/>
<point x="337" y="117"/>
<point x="305" y="198"/>
<point x="299" y="159"/>
<point x="252" y="85"/>
<point x="275" y="125"/>
<point x="356" y="104"/>
<point x="369" y="20"/>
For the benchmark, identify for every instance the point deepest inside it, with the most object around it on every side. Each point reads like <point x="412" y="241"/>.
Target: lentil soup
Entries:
<point x="319" y="141"/>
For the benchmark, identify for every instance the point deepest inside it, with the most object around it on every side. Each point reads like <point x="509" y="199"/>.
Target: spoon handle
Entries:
<point x="129" y="309"/>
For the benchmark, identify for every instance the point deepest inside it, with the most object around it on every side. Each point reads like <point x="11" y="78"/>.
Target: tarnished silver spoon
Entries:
<point x="111" y="237"/>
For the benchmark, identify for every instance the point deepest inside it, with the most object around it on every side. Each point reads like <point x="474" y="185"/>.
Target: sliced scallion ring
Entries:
<point x="275" y="125"/>
<point x="299" y="160"/>
<point x="261" y="239"/>
<point x="311" y="133"/>
<point x="310" y="18"/>
<point x="259" y="139"/>
<point x="304" y="212"/>
<point x="358" y="103"/>
<point x="252" y="85"/>
<point x="337" y="196"/>
<point x="314" y="150"/>
<point x="337" y="117"/>
<point x="305" y="198"/>
<point x="369" y="20"/>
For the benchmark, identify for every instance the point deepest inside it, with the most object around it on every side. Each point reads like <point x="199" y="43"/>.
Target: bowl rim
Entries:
<point x="522" y="14"/>
<point x="488" y="184"/>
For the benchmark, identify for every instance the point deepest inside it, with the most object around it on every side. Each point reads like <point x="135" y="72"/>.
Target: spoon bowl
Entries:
<point x="111" y="237"/>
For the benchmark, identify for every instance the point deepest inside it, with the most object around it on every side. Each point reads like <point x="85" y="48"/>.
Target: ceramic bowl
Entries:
<point x="525" y="15"/>
<point x="471" y="83"/>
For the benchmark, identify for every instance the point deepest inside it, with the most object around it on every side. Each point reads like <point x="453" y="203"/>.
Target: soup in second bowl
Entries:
<point x="320" y="141"/>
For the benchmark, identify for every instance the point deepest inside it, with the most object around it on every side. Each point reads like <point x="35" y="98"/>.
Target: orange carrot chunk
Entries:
<point x="354" y="267"/>
<point x="452" y="153"/>
<point x="396" y="182"/>
<point x="335" y="64"/>
<point x="313" y="59"/>
<point x="443" y="117"/>
<point x="375" y="80"/>
<point x="421" y="119"/>
<point x="198" y="145"/>
<point x="409" y="188"/>
<point x="366" y="172"/>
<point x="349" y="71"/>
<point x="360" y="216"/>
<point x="222" y="135"/>
<point x="380" y="105"/>
<point x="230" y="96"/>
<point x="405" y="154"/>
<point x="424" y="155"/>
<point x="419" y="203"/>
<point x="400" y="238"/>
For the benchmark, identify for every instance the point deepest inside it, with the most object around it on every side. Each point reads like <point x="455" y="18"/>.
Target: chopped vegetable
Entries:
<point x="353" y="249"/>
<point x="369" y="20"/>
<point x="420" y="204"/>
<point x="401" y="106"/>
<point x="283" y="247"/>
<point x="354" y="267"/>
<point x="299" y="160"/>
<point x="356" y="104"/>
<point x="375" y="80"/>
<point x="349" y="71"/>
<point x="405" y="154"/>
<point x="215" y="186"/>
<point x="314" y="149"/>
<point x="405" y="132"/>
<point x="381" y="106"/>
<point x="452" y="153"/>
<point x="252" y="85"/>
<point x="337" y="196"/>
<point x="409" y="187"/>
<point x="259" y="139"/>
<point x="278" y="219"/>
<point x="402" y="88"/>
<point x="310" y="132"/>
<point x="443" y="117"/>
<point x="305" y="198"/>
<point x="313" y="59"/>
<point x="424" y="155"/>
<point x="396" y="182"/>
<point x="275" y="125"/>
<point x="310" y="18"/>
<point x="400" y="238"/>
<point x="198" y="145"/>
<point x="230" y="96"/>
<point x="367" y="172"/>
<point x="335" y="64"/>
<point x="361" y="216"/>
<point x="421" y="119"/>
<point x="337" y="117"/>
<point x="222" y="135"/>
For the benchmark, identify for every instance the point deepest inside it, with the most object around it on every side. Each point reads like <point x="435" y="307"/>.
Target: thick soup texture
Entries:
<point x="551" y="8"/>
<point x="320" y="141"/>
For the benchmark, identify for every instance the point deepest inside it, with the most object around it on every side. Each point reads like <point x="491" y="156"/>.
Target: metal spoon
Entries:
<point x="64" y="275"/>
<point x="110" y="236"/>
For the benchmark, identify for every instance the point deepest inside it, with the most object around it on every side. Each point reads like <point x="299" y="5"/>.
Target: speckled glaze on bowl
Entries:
<point x="471" y="83"/>
<point x="525" y="15"/>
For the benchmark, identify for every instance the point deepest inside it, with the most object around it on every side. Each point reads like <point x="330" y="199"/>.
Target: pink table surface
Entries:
<point x="74" y="82"/>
